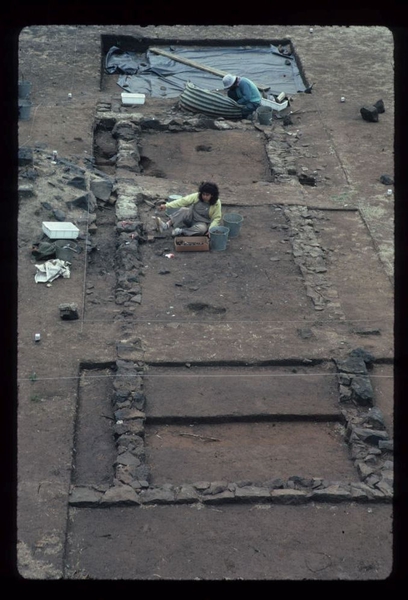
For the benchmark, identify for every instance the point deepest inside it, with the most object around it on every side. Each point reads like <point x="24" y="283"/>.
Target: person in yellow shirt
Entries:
<point x="196" y="213"/>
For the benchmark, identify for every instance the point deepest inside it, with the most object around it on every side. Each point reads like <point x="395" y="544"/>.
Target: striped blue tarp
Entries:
<point x="214" y="104"/>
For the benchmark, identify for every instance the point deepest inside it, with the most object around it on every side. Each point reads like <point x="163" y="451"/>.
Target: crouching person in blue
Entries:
<point x="244" y="92"/>
<point x="196" y="213"/>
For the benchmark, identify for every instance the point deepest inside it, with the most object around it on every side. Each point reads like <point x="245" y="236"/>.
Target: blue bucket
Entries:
<point x="218" y="237"/>
<point x="24" y="89"/>
<point x="234" y="222"/>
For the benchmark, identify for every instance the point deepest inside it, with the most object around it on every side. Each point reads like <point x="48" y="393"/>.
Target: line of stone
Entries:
<point x="371" y="449"/>
<point x="312" y="259"/>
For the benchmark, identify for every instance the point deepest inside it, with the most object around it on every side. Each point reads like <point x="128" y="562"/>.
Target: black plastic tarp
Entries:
<point x="160" y="76"/>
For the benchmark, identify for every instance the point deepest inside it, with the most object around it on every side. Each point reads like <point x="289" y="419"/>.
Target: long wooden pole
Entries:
<point x="196" y="65"/>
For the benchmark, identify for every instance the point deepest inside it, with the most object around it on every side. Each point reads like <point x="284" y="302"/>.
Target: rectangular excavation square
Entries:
<point x="257" y="452"/>
<point x="238" y="156"/>
<point x="255" y="279"/>
<point x="95" y="451"/>
<point x="250" y="301"/>
<point x="365" y="291"/>
<point x="162" y="70"/>
<point x="228" y="393"/>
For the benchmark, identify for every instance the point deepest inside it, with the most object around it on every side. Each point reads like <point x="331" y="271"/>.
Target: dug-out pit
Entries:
<point x="256" y="452"/>
<point x="238" y="156"/>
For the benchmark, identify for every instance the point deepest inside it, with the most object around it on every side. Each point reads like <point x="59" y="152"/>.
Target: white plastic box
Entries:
<point x="274" y="105"/>
<point x="60" y="231"/>
<point x="128" y="98"/>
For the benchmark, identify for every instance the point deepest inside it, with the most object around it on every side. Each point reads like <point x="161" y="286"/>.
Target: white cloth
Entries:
<point x="52" y="269"/>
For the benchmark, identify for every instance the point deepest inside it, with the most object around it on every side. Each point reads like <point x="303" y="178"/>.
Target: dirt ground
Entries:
<point x="226" y="335"/>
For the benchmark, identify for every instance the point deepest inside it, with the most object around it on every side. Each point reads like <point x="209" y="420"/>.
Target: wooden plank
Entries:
<point x="196" y="65"/>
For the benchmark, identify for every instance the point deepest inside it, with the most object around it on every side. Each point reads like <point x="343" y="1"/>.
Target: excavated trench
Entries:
<point x="167" y="423"/>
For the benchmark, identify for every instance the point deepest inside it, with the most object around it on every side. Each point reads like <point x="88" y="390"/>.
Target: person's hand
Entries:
<point x="162" y="206"/>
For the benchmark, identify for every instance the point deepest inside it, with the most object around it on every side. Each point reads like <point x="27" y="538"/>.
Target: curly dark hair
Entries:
<point x="209" y="188"/>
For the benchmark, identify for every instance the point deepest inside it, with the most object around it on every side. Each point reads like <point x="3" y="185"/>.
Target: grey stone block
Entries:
<point x="286" y="496"/>
<point x="252" y="493"/>
<point x="157" y="496"/>
<point x="120" y="495"/>
<point x="84" y="496"/>
<point x="362" y="391"/>
<point x="186" y="494"/>
<point x="101" y="188"/>
<point x="79" y="182"/>
<point x="332" y="493"/>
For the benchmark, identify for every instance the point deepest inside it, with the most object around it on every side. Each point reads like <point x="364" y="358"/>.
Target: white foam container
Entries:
<point x="60" y="231"/>
<point x="274" y="105"/>
<point x="128" y="98"/>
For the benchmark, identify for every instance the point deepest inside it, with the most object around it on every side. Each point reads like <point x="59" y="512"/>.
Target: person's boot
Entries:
<point x="161" y="225"/>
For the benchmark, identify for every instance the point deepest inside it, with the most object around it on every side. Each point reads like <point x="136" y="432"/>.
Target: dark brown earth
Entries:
<point x="235" y="389"/>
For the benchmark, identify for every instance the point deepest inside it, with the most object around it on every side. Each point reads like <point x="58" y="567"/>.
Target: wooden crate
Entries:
<point x="194" y="243"/>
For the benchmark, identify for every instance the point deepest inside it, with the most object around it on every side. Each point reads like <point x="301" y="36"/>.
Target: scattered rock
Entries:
<point x="306" y="179"/>
<point x="305" y="333"/>
<point x="367" y="331"/>
<point x="369" y="113"/>
<point x="386" y="180"/>
<point x="86" y="202"/>
<point x="353" y="364"/>
<point x="379" y="105"/>
<point x="362" y="391"/>
<point x="68" y="311"/>
<point x="369" y="436"/>
<point x="374" y="418"/>
<point x="58" y="214"/>
<point x="25" y="157"/>
<point x="202" y="306"/>
<point x="101" y="188"/>
<point x="386" y="445"/>
<point x="78" y="181"/>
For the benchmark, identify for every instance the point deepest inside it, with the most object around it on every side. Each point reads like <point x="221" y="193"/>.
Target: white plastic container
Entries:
<point x="60" y="231"/>
<point x="128" y="98"/>
<point x="274" y="105"/>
